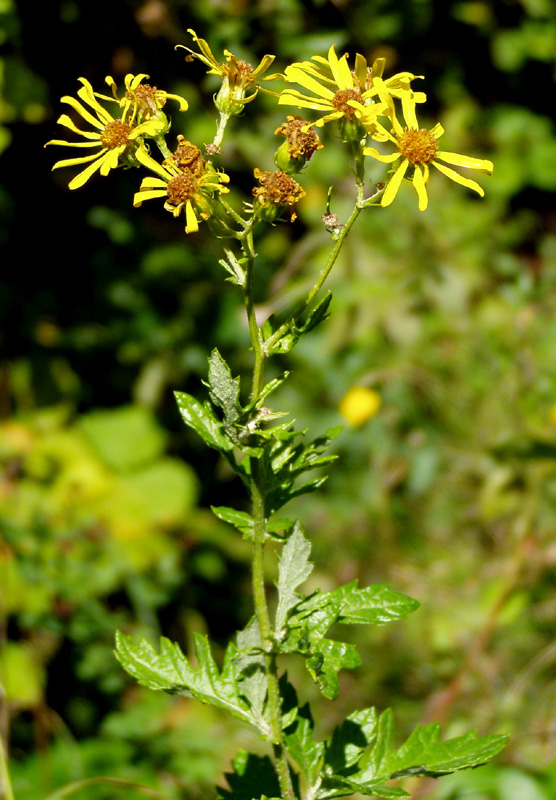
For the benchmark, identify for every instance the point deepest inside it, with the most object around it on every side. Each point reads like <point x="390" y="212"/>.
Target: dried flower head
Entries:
<point x="276" y="192"/>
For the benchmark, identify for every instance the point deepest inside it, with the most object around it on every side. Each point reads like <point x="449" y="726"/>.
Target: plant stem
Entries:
<point x="272" y="340"/>
<point x="258" y="493"/>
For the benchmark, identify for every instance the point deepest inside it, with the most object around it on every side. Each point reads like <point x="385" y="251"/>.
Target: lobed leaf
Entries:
<point x="170" y="671"/>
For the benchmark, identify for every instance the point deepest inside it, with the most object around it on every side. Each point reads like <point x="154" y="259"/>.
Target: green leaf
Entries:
<point x="360" y="756"/>
<point x="239" y="519"/>
<point x="171" y="672"/>
<point x="308" y="753"/>
<point x="294" y="569"/>
<point x="316" y="316"/>
<point x="327" y="659"/>
<point x="253" y="776"/>
<point x="376" y="604"/>
<point x="202" y="419"/>
<point x="250" y="665"/>
<point x="350" y="739"/>
<point x="423" y="754"/>
<point x="224" y="390"/>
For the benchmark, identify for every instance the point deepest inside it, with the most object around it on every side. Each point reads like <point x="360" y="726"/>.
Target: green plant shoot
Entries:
<point x="376" y="120"/>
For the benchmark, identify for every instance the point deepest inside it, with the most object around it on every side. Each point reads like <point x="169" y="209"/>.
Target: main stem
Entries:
<point x="258" y="494"/>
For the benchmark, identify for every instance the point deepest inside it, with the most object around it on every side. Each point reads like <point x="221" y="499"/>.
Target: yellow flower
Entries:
<point x="237" y="75"/>
<point x="416" y="149"/>
<point x="111" y="138"/>
<point x="184" y="189"/>
<point x="340" y="92"/>
<point x="141" y="99"/>
<point x="360" y="404"/>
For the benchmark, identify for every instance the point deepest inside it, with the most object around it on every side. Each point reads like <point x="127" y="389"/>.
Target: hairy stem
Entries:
<point x="258" y="493"/>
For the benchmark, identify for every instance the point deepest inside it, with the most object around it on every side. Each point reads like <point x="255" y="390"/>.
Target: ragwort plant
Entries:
<point x="376" y="118"/>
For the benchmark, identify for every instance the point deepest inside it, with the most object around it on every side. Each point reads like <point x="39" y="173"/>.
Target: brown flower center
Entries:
<point x="181" y="188"/>
<point x="188" y="156"/>
<point x="239" y="71"/>
<point x="115" y="134"/>
<point x="340" y="101"/>
<point x="299" y="143"/>
<point x="419" y="147"/>
<point x="145" y="97"/>
<point x="277" y="188"/>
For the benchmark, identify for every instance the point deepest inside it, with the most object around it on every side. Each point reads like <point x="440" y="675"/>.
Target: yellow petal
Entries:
<point x="86" y="93"/>
<point x="147" y="161"/>
<point x="297" y="76"/>
<point x="420" y="187"/>
<point x="266" y="61"/>
<point x="394" y="183"/>
<point x="340" y="70"/>
<point x="68" y="123"/>
<point x="84" y="176"/>
<point x="184" y="105"/>
<point x="70" y="162"/>
<point x="153" y="183"/>
<point x="480" y="164"/>
<point x="455" y="176"/>
<point x="96" y="123"/>
<point x="138" y="197"/>
<point x="191" y="225"/>
<point x="386" y="159"/>
<point x="293" y="98"/>
<point x="74" y="144"/>
<point x="110" y="160"/>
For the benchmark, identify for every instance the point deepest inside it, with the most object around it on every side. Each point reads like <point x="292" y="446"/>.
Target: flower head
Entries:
<point x="185" y="183"/>
<point x="237" y="75"/>
<point x="416" y="148"/>
<point x="275" y="193"/>
<point x="299" y="145"/>
<point x="112" y="139"/>
<point x="339" y="92"/>
<point x="141" y="100"/>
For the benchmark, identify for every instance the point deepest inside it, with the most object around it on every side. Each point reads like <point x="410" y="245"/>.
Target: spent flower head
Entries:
<point x="190" y="189"/>
<point x="276" y="192"/>
<point x="416" y="149"/>
<point x="299" y="145"/>
<point x="114" y="140"/>
<point x="238" y="76"/>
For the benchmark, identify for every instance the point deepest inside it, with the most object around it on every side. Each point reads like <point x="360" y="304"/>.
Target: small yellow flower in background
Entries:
<point x="276" y="192"/>
<point x="185" y="184"/>
<point x="416" y="149"/>
<point x="237" y="75"/>
<point x="552" y="415"/>
<point x="339" y="92"/>
<point x="141" y="99"/>
<point x="114" y="137"/>
<point x="360" y="404"/>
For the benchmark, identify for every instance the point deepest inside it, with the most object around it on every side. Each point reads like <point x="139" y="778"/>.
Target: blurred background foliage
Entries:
<point x="448" y="492"/>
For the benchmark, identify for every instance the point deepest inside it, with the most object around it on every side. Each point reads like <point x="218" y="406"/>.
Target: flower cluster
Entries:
<point x="364" y="104"/>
